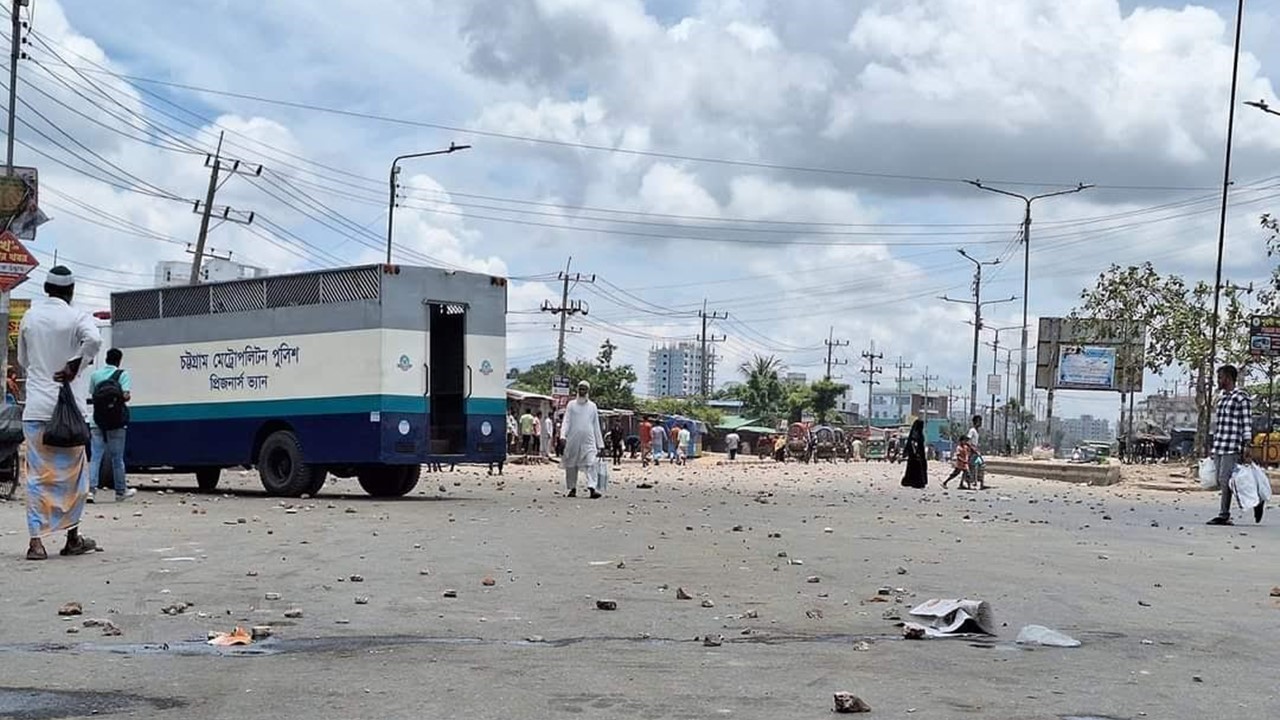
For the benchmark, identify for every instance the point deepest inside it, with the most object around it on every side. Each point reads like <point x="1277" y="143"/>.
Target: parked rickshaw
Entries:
<point x="824" y="444"/>
<point x="798" y="442"/>
<point x="875" y="449"/>
<point x="843" y="451"/>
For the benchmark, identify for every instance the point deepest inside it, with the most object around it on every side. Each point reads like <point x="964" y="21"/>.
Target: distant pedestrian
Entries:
<point x="513" y="431"/>
<point x="13" y="391"/>
<point x="960" y="465"/>
<point x="646" y="441"/>
<point x="583" y="443"/>
<point x="1232" y="437"/>
<point x="110" y="388"/>
<point x="547" y="427"/>
<point x="917" y="475"/>
<point x="977" y="472"/>
<point x="732" y="442"/>
<point x="684" y="443"/>
<point x="673" y="444"/>
<point x="527" y="422"/>
<point x="658" y="438"/>
<point x="615" y="443"/>
<point x="54" y="341"/>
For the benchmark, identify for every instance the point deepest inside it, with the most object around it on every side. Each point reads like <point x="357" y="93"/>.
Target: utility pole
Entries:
<point x="704" y="360"/>
<point x="927" y="379"/>
<point x="871" y="370"/>
<point x="977" y="304"/>
<point x="995" y="370"/>
<point x="902" y="366"/>
<point x="15" y="54"/>
<point x="565" y="309"/>
<point x="206" y="209"/>
<point x="1026" y="270"/>
<point x="951" y="401"/>
<point x="394" y="182"/>
<point x="832" y="344"/>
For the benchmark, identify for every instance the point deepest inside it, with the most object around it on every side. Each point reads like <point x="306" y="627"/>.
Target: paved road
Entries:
<point x="1175" y="617"/>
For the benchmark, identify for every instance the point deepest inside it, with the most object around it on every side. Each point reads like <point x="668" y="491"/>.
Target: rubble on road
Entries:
<point x="847" y="702"/>
<point x="70" y="609"/>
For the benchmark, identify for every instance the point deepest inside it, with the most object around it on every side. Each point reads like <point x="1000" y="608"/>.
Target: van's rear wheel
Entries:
<point x="282" y="467"/>
<point x="207" y="479"/>
<point x="389" y="480"/>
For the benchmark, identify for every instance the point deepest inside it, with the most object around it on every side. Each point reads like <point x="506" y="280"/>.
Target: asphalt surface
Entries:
<point x="1175" y="618"/>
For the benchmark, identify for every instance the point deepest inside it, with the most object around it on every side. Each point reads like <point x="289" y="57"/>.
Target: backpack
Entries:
<point x="109" y="409"/>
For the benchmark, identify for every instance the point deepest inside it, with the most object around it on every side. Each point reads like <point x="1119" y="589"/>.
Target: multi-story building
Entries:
<point x="1164" y="413"/>
<point x="675" y="370"/>
<point x="174" y="273"/>
<point x="1085" y="428"/>
<point x="798" y="378"/>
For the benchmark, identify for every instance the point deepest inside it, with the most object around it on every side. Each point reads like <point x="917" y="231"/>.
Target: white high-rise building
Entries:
<point x="675" y="370"/>
<point x="174" y="273"/>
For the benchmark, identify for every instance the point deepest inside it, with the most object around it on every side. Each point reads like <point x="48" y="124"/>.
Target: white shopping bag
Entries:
<point x="1245" y="487"/>
<point x="1263" y="481"/>
<point x="1208" y="474"/>
<point x="602" y="475"/>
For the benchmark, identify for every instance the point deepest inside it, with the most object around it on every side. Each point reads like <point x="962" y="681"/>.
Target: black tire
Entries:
<point x="390" y="480"/>
<point x="318" y="478"/>
<point x="207" y="479"/>
<point x="282" y="467"/>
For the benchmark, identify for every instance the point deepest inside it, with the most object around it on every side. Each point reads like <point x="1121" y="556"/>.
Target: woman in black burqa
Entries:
<point x="917" y="475"/>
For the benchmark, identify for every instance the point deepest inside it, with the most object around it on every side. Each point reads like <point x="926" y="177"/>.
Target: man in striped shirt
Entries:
<point x="1232" y="436"/>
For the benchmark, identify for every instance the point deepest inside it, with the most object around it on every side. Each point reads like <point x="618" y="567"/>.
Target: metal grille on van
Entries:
<point x="322" y="287"/>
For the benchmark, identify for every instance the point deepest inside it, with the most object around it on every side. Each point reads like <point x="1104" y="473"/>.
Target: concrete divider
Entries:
<point x="1063" y="472"/>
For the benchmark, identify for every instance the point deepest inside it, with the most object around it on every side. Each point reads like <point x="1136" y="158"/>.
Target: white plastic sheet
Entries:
<point x="1208" y="474"/>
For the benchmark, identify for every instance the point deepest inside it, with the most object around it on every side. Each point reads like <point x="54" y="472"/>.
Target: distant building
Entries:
<point x="174" y="273"/>
<point x="797" y="377"/>
<point x="1164" y="413"/>
<point x="889" y="407"/>
<point x="1085" y="428"/>
<point x="848" y="407"/>
<point x="933" y="406"/>
<point x="675" y="370"/>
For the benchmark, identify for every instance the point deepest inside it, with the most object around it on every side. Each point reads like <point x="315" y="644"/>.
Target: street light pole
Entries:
<point x="977" y="304"/>
<point x="995" y="370"/>
<point x="395" y="173"/>
<point x="1026" y="270"/>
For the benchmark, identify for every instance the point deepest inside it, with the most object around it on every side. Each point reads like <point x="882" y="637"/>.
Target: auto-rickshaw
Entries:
<point x="875" y="449"/>
<point x="843" y="451"/>
<point x="824" y="444"/>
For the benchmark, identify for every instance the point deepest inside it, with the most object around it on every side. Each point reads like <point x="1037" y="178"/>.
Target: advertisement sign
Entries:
<point x="16" y="261"/>
<point x="1264" y="336"/>
<point x="17" y="308"/>
<point x="1086" y="368"/>
<point x="993" y="385"/>
<point x="560" y="386"/>
<point x="20" y="202"/>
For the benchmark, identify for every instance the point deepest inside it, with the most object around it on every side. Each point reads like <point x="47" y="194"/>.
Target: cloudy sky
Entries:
<point x="797" y="165"/>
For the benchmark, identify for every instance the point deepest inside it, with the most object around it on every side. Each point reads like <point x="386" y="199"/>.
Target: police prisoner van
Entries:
<point x="365" y="372"/>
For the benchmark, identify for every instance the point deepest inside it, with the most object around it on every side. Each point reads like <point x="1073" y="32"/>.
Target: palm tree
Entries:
<point x="762" y="396"/>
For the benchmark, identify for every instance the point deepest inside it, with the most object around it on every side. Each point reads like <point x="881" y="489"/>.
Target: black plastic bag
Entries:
<point x="68" y="428"/>
<point x="10" y="425"/>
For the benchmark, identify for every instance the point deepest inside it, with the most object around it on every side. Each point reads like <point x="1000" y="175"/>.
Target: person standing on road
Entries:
<point x="615" y="443"/>
<point x="684" y="444"/>
<point x="583" y="442"/>
<point x="673" y="442"/>
<point x="658" y="438"/>
<point x="977" y="473"/>
<point x="646" y="441"/>
<point x="547" y="427"/>
<point x="732" y="442"/>
<point x="54" y="341"/>
<point x="110" y="387"/>
<point x="1232" y="433"/>
<point x="917" y="475"/>
<point x="526" y="433"/>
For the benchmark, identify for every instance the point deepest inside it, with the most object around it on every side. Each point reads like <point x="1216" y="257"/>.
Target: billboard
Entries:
<point x="17" y="308"/>
<point x="20" y="203"/>
<point x="1082" y="367"/>
<point x="1090" y="354"/>
<point x="1264" y="336"/>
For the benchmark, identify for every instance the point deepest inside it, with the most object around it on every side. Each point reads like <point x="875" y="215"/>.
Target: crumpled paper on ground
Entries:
<point x="953" y="618"/>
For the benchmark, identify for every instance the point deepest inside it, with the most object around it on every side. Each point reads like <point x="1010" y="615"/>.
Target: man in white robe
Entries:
<point x="583" y="441"/>
<point x="548" y="429"/>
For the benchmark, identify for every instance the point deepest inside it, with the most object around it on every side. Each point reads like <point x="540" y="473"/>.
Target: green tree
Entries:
<point x="611" y="387"/>
<point x="762" y="394"/>
<point x="1177" y="319"/>
<point x="799" y="397"/>
<point x="825" y="394"/>
<point x="681" y="406"/>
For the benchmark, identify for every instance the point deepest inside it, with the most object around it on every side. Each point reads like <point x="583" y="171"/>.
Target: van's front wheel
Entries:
<point x="282" y="467"/>
<point x="389" y="480"/>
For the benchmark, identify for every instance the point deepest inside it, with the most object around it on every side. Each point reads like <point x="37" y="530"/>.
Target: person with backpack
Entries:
<point x="109" y="393"/>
